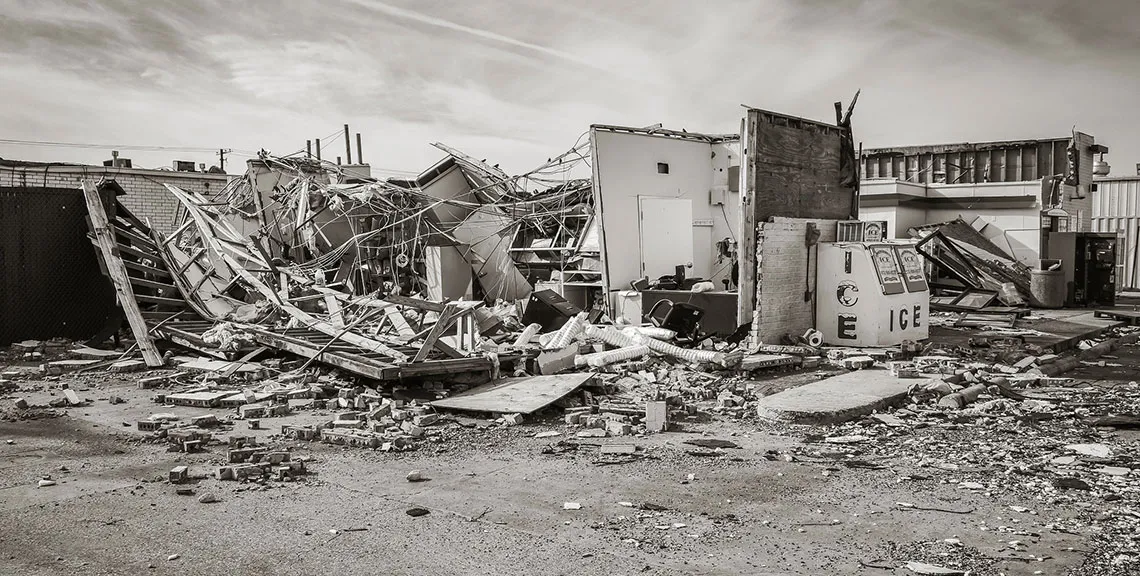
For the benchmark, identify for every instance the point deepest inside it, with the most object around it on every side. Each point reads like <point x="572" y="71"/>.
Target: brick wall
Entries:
<point x="782" y="262"/>
<point x="146" y="196"/>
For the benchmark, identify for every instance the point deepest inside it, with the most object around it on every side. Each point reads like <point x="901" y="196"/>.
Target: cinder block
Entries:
<point x="179" y="474"/>
<point x="656" y="416"/>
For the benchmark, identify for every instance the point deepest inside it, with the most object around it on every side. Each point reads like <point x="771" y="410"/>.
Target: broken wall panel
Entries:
<point x="486" y="230"/>
<point x="786" y="277"/>
<point x="792" y="168"/>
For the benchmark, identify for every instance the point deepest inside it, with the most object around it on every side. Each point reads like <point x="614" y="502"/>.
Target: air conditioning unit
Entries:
<point x="859" y="231"/>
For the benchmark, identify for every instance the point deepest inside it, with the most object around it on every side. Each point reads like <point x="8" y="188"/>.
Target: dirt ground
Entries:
<point x="496" y="503"/>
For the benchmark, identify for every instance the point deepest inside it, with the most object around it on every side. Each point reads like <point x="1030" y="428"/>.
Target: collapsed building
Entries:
<point x="705" y="248"/>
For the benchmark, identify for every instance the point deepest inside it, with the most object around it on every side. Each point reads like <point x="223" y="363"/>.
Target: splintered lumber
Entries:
<point x="105" y="239"/>
<point x="515" y="395"/>
<point x="312" y="322"/>
<point x="218" y="246"/>
<point x="436" y="331"/>
<point x="415" y="303"/>
<point x="397" y="320"/>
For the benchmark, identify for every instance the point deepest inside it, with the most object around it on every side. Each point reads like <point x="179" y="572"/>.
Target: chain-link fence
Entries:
<point x="50" y="281"/>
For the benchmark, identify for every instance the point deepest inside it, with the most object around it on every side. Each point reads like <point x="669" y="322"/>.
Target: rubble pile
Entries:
<point x="1051" y="442"/>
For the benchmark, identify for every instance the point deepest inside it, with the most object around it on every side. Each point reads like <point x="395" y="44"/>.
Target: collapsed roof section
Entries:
<point x="299" y="256"/>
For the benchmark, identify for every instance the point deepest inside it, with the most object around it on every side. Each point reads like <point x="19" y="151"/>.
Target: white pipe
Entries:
<point x="527" y="334"/>
<point x="599" y="359"/>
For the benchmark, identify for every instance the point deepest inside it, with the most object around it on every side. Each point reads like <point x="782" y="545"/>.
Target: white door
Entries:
<point x="666" y="235"/>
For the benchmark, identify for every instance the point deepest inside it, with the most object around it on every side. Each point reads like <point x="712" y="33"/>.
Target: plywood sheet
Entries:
<point x="515" y="395"/>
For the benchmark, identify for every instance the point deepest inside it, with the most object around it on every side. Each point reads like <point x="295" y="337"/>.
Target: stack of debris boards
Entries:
<point x="130" y="256"/>
<point x="961" y="253"/>
<point x="209" y="288"/>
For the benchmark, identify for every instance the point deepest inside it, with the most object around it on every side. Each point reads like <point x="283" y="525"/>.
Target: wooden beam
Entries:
<point x="430" y="367"/>
<point x="107" y="246"/>
<point x="139" y="241"/>
<point x="336" y="314"/>
<point x="354" y="363"/>
<point x="400" y="323"/>
<point x="436" y="331"/>
<point x="160" y="300"/>
<point x="746" y="254"/>
<point x="416" y="303"/>
<point x="174" y="235"/>
<point x="145" y="283"/>
<point x="147" y="269"/>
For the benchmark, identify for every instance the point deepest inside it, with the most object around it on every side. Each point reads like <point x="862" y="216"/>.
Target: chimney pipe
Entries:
<point x="318" y="149"/>
<point x="308" y="148"/>
<point x="347" y="145"/>
<point x="338" y="160"/>
<point x="359" y="154"/>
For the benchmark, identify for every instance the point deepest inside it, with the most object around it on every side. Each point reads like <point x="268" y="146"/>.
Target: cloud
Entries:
<point x="476" y="32"/>
<point x="517" y="81"/>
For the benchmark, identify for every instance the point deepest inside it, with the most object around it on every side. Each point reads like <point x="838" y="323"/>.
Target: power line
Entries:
<point x="112" y="146"/>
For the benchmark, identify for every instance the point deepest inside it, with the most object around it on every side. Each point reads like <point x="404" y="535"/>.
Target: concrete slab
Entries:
<point x="837" y="399"/>
<point x="1062" y="329"/>
<point x="70" y="365"/>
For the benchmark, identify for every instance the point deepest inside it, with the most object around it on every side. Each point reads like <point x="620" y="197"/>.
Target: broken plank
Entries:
<point x="355" y="363"/>
<point x="400" y="323"/>
<point x="436" y="331"/>
<point x="515" y="395"/>
<point x="448" y="366"/>
<point x="416" y="303"/>
<point x="105" y="239"/>
<point x="138" y="240"/>
<point x="146" y="269"/>
<point x="145" y="283"/>
<point x="336" y="315"/>
<point x="160" y="300"/>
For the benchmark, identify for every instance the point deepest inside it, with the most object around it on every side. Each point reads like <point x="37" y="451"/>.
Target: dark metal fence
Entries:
<point x="50" y="282"/>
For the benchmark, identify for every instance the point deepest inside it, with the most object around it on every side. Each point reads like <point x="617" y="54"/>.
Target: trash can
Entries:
<point x="1047" y="288"/>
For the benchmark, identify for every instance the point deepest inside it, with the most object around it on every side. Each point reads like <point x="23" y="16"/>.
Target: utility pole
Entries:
<point x="222" y="158"/>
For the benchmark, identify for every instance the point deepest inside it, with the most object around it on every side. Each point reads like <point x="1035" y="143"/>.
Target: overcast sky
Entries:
<point x="516" y="82"/>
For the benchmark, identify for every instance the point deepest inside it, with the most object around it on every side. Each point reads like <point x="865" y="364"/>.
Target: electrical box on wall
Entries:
<point x="717" y="194"/>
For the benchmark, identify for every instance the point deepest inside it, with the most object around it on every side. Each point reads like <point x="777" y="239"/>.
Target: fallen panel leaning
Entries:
<point x="516" y="395"/>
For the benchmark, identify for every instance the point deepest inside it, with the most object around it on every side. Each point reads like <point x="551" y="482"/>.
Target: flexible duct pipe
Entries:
<point x="566" y="335"/>
<point x="527" y="333"/>
<point x="615" y="338"/>
<point x="599" y="359"/>
<point x="651" y="331"/>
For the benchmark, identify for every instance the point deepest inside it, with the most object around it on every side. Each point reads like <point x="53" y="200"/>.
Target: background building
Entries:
<point x="1116" y="208"/>
<point x="1014" y="192"/>
<point x="145" y="195"/>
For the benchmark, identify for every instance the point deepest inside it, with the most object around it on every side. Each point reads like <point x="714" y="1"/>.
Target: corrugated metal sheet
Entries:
<point x="50" y="283"/>
<point x="1116" y="208"/>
